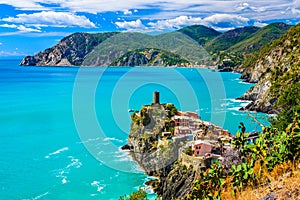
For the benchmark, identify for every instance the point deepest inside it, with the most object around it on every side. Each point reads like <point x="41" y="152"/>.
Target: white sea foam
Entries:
<point x="234" y="113"/>
<point x="234" y="108"/>
<point x="244" y="104"/>
<point x="57" y="152"/>
<point x="99" y="186"/>
<point x="40" y="196"/>
<point x="243" y="82"/>
<point x="90" y="140"/>
<point x="112" y="139"/>
<point x="62" y="173"/>
<point x="64" y="180"/>
<point x="74" y="163"/>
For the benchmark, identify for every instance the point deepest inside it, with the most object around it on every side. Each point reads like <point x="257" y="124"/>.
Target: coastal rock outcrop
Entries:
<point x="274" y="70"/>
<point x="150" y="57"/>
<point x="69" y="51"/>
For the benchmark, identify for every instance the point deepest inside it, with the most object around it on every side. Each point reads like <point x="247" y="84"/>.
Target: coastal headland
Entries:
<point x="174" y="146"/>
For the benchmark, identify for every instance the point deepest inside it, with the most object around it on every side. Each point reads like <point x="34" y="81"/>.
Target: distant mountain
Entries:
<point x="230" y="54"/>
<point x="276" y="69"/>
<point x="71" y="50"/>
<point x="230" y="38"/>
<point x="150" y="57"/>
<point x="261" y="37"/>
<point x="197" y="44"/>
<point x="201" y="34"/>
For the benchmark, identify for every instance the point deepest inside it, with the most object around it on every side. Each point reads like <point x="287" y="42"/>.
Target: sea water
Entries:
<point x="61" y="128"/>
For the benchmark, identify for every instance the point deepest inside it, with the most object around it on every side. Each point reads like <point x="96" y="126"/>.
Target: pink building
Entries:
<point x="201" y="148"/>
<point x="181" y="120"/>
<point x="182" y="130"/>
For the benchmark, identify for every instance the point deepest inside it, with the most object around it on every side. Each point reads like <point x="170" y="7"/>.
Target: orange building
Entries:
<point x="201" y="148"/>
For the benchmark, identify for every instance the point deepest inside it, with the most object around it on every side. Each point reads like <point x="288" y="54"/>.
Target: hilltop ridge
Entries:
<point x="197" y="44"/>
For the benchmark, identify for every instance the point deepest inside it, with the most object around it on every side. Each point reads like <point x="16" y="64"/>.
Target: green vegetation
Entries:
<point x="283" y="73"/>
<point x="149" y="57"/>
<point x="171" y="109"/>
<point x="189" y="151"/>
<point x="240" y="46"/>
<point x="271" y="150"/>
<point x="260" y="38"/>
<point x="201" y="34"/>
<point x="230" y="38"/>
<point x="80" y="44"/>
<point x="139" y="195"/>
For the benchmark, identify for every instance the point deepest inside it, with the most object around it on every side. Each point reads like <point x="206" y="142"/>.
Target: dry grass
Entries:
<point x="284" y="183"/>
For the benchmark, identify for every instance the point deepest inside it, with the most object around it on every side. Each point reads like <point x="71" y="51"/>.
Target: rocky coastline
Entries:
<point x="159" y="147"/>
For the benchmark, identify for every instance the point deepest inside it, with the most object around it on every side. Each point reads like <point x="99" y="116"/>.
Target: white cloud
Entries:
<point x="175" y="23"/>
<point x="21" y="28"/>
<point x="11" y="53"/>
<point x="8" y="26"/>
<point x="51" y="18"/>
<point x="172" y="10"/>
<point x="26" y="29"/>
<point x="24" y="4"/>
<point x="232" y="19"/>
<point x="1" y="43"/>
<point x="259" y="24"/>
<point x="131" y="25"/>
<point x="127" y="12"/>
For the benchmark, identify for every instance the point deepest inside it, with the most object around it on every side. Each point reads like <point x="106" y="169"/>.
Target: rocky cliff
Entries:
<point x="275" y="69"/>
<point x="159" y="159"/>
<point x="69" y="51"/>
<point x="150" y="57"/>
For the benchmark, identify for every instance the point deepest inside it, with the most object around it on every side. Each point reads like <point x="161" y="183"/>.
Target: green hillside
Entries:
<point x="175" y="42"/>
<point x="230" y="38"/>
<point x="261" y="37"/>
<point x="276" y="67"/>
<point x="149" y="57"/>
<point x="247" y="46"/>
<point x="200" y="33"/>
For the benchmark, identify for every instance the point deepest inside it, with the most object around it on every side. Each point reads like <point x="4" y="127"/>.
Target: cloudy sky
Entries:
<point x="29" y="26"/>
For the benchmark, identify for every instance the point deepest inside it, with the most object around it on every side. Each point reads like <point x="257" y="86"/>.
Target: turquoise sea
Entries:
<point x="61" y="128"/>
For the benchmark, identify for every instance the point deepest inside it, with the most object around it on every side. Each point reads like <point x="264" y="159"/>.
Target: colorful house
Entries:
<point x="202" y="148"/>
<point x="181" y="130"/>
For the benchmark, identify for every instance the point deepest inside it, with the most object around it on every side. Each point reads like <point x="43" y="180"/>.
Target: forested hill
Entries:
<point x="197" y="44"/>
<point x="276" y="69"/>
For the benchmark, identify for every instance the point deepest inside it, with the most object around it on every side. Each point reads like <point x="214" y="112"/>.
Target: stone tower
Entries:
<point x="156" y="98"/>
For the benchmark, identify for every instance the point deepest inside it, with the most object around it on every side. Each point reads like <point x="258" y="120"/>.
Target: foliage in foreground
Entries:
<point x="273" y="148"/>
<point x="139" y="195"/>
<point x="274" y="153"/>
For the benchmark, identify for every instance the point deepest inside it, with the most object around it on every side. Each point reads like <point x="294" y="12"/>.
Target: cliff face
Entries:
<point x="158" y="159"/>
<point x="275" y="69"/>
<point x="149" y="57"/>
<point x="69" y="51"/>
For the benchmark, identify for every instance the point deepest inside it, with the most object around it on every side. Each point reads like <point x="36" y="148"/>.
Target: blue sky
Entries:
<point x="30" y="26"/>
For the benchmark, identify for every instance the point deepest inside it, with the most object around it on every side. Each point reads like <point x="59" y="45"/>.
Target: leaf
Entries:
<point x="239" y="167"/>
<point x="233" y="167"/>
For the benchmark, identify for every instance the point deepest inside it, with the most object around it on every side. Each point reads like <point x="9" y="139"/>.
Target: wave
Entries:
<point x="234" y="113"/>
<point x="246" y="83"/>
<point x="40" y="196"/>
<point x="237" y="100"/>
<point x="74" y="163"/>
<point x="113" y="139"/>
<point x="62" y="173"/>
<point x="234" y="108"/>
<point x="57" y="152"/>
<point x="89" y="140"/>
<point x="99" y="186"/>
<point x="122" y="155"/>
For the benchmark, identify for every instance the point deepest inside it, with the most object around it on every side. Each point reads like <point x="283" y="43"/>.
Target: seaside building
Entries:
<point x="202" y="148"/>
